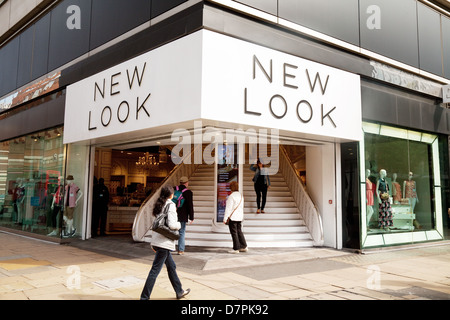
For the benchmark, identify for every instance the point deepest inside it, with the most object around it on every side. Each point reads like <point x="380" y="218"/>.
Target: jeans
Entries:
<point x="181" y="241"/>
<point x="163" y="256"/>
<point x="237" y="235"/>
<point x="261" y="190"/>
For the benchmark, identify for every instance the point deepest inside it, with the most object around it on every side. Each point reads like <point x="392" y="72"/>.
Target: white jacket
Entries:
<point x="233" y="201"/>
<point x="159" y="240"/>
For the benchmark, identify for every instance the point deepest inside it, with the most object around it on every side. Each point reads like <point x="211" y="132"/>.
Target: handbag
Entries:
<point x="384" y="196"/>
<point x="160" y="226"/>
<point x="229" y="218"/>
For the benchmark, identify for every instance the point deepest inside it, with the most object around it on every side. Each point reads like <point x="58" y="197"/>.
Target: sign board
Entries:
<point x="158" y="88"/>
<point x="211" y="76"/>
<point x="263" y="87"/>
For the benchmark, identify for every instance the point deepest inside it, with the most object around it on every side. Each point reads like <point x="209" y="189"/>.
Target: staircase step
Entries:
<point x="280" y="226"/>
<point x="248" y="236"/>
<point x="207" y="214"/>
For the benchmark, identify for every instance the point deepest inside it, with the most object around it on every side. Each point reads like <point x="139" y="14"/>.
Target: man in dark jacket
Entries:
<point x="185" y="212"/>
<point x="100" y="207"/>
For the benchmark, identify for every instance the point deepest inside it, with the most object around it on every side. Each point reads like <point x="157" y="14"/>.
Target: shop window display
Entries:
<point x="401" y="180"/>
<point x="31" y="173"/>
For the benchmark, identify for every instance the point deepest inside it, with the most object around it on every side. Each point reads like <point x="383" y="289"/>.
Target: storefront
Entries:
<point x="182" y="96"/>
<point x="137" y="106"/>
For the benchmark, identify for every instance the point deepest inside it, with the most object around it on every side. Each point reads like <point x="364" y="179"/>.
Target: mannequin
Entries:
<point x="369" y="197"/>
<point x="384" y="209"/>
<point x="410" y="192"/>
<point x="20" y="200"/>
<point x="56" y="208"/>
<point x="396" y="189"/>
<point x="72" y="195"/>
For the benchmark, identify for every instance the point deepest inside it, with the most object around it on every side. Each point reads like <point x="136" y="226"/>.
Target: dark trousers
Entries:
<point x="261" y="192"/>
<point x="54" y="215"/>
<point x="99" y="217"/>
<point x="163" y="256"/>
<point x="237" y="235"/>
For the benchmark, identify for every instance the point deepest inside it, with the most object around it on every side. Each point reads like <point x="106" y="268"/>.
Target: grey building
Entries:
<point x="346" y="102"/>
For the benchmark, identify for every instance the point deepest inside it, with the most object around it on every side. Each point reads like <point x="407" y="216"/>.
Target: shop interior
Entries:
<point x="132" y="175"/>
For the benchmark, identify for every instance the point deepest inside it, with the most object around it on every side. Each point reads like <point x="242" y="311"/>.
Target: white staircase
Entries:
<point x="280" y="226"/>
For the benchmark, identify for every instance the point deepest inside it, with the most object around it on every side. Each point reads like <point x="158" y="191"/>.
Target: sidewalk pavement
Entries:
<point x="112" y="268"/>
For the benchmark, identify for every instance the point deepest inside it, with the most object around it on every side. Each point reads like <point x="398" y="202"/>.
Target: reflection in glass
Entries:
<point x="31" y="171"/>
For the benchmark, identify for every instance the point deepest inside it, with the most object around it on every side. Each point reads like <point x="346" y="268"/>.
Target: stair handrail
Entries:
<point x="143" y="218"/>
<point x="308" y="209"/>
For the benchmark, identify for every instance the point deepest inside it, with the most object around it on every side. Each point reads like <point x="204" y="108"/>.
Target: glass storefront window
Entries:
<point x="401" y="178"/>
<point x="31" y="171"/>
<point x="76" y="192"/>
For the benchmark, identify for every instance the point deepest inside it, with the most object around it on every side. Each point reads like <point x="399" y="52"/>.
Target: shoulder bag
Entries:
<point x="160" y="225"/>
<point x="229" y="218"/>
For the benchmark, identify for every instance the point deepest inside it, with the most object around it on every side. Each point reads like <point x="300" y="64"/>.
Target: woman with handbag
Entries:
<point x="261" y="181"/>
<point x="163" y="246"/>
<point x="234" y="214"/>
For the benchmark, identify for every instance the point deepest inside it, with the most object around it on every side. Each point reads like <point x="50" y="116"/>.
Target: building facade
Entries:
<point x="346" y="101"/>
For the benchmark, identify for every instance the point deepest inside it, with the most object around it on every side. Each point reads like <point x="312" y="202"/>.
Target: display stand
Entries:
<point x="402" y="217"/>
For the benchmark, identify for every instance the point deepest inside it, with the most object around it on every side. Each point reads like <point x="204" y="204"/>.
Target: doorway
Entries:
<point x="130" y="176"/>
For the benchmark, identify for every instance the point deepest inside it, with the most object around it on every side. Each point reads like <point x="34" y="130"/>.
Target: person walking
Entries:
<point x="261" y="182"/>
<point x="185" y="210"/>
<point x="234" y="210"/>
<point x="163" y="247"/>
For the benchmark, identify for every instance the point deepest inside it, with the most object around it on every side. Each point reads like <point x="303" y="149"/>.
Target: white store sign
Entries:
<point x="214" y="77"/>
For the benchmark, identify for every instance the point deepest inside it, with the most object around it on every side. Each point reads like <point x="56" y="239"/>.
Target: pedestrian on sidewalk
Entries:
<point x="261" y="182"/>
<point x="163" y="247"/>
<point x="234" y="210"/>
<point x="185" y="210"/>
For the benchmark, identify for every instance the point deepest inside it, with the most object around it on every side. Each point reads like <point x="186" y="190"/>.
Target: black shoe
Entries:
<point x="185" y="293"/>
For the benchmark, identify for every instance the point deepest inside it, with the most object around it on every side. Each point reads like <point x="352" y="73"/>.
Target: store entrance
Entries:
<point x="129" y="176"/>
<point x="133" y="175"/>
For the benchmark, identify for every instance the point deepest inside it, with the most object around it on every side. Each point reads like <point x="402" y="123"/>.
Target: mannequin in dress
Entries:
<point x="410" y="192"/>
<point x="384" y="209"/>
<point x="396" y="189"/>
<point x="369" y="197"/>
<point x="72" y="195"/>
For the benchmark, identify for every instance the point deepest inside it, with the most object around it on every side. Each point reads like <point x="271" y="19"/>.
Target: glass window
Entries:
<point x="429" y="29"/>
<point x="335" y="18"/>
<point x="390" y="28"/>
<point x="76" y="190"/>
<point x="69" y="32"/>
<point x="31" y="176"/>
<point x="446" y="44"/>
<point x="161" y="6"/>
<point x="402" y="186"/>
<point x="112" y="18"/>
